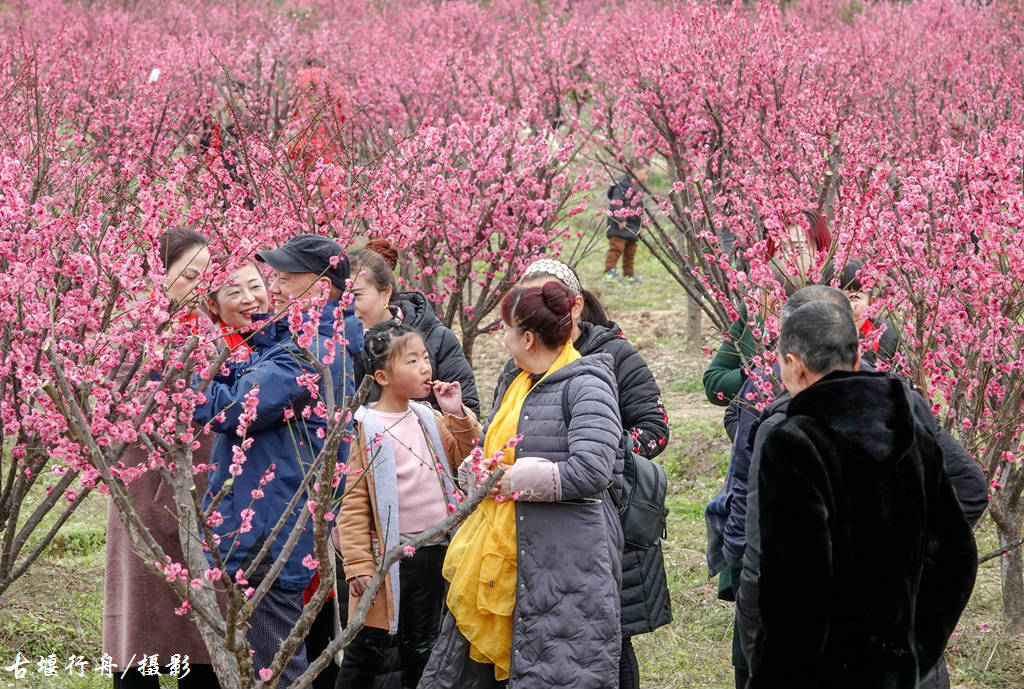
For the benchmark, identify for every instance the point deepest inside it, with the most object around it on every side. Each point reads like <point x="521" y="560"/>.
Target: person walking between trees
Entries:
<point x="858" y="559"/>
<point x="625" y="211"/>
<point x="405" y="452"/>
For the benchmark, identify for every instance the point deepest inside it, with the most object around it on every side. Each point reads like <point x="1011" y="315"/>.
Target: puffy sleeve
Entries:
<point x="725" y="375"/>
<point x="278" y="391"/>
<point x="643" y="414"/>
<point x="593" y="436"/>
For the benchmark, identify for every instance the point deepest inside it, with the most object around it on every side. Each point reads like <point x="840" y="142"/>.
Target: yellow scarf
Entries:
<point x="481" y="562"/>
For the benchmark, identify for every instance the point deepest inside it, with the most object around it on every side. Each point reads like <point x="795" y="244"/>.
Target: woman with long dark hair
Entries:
<point x="138" y="605"/>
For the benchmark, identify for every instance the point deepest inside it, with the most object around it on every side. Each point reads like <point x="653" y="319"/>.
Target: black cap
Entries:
<point x="309" y="253"/>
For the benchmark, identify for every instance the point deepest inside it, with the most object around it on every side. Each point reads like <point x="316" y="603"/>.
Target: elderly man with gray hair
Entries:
<point x="858" y="558"/>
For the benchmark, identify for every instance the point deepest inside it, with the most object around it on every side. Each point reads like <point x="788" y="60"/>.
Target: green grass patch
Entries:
<point x="79" y="540"/>
<point x="688" y="385"/>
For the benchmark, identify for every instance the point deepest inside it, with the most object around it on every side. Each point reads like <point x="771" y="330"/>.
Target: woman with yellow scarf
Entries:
<point x="535" y="571"/>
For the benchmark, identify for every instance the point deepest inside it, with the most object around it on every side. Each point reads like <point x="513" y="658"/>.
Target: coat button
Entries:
<point x="521" y="518"/>
<point x="526" y="417"/>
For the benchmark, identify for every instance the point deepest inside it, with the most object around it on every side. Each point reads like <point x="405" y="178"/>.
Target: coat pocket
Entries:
<point x="494" y="599"/>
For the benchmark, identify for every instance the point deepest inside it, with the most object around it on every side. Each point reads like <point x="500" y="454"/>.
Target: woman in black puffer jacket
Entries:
<point x="645" y="597"/>
<point x="378" y="300"/>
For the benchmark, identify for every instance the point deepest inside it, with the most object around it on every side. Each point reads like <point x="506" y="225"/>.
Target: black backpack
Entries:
<point x="641" y="502"/>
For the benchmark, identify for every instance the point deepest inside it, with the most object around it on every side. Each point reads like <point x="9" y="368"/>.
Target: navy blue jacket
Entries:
<point x="288" y="444"/>
<point x="726" y="513"/>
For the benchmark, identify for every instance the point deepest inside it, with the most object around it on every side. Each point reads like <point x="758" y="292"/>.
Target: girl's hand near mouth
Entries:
<point x="449" y="397"/>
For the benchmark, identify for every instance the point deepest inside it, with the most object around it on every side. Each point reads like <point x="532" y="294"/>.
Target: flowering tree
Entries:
<point x="104" y="148"/>
<point x="471" y="204"/>
<point x="898" y="124"/>
<point x="463" y="144"/>
<point x="954" y="274"/>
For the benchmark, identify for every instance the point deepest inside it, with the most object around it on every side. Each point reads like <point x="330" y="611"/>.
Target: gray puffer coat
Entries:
<point x="566" y="630"/>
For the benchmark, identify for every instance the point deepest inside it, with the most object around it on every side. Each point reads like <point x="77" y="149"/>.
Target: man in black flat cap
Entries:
<point x="286" y="435"/>
<point x="305" y="268"/>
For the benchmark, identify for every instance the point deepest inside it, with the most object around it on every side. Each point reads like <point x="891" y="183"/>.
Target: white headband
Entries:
<point x="549" y="266"/>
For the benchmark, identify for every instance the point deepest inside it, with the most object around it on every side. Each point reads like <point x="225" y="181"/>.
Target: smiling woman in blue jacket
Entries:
<point x="285" y="437"/>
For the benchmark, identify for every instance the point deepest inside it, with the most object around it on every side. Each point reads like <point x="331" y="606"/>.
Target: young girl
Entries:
<point x="406" y="452"/>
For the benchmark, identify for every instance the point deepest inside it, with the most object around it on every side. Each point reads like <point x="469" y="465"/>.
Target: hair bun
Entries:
<point x="382" y="246"/>
<point x="545" y="311"/>
<point x="558" y="297"/>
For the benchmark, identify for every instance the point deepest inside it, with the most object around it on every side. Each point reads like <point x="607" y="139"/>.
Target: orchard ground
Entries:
<point x="58" y="607"/>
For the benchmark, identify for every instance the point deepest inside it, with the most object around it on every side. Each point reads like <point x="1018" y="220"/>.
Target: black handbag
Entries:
<point x="641" y="502"/>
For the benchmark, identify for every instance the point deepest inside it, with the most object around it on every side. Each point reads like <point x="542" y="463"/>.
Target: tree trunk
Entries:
<point x="693" y="329"/>
<point x="468" y="339"/>
<point x="1008" y="514"/>
<point x="1012" y="578"/>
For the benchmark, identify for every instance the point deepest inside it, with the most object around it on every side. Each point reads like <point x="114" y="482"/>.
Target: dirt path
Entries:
<point x="656" y="334"/>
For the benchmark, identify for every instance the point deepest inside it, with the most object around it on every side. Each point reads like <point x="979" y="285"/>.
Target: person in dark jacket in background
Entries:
<point x="646" y="604"/>
<point x="625" y="211"/>
<point x="727" y="535"/>
<point x="879" y="347"/>
<point x="727" y="372"/>
<point x="859" y="560"/>
<point x="377" y="299"/>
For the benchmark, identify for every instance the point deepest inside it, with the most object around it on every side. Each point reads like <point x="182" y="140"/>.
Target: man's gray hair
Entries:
<point x="823" y="334"/>
<point x="811" y="293"/>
